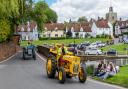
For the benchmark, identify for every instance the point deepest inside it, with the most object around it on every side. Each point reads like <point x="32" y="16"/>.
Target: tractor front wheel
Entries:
<point x="61" y="75"/>
<point x="51" y="67"/>
<point x="82" y="74"/>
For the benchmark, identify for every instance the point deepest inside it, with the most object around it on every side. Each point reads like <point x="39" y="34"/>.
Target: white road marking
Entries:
<point x="40" y="57"/>
<point x="8" y="58"/>
<point x="98" y="82"/>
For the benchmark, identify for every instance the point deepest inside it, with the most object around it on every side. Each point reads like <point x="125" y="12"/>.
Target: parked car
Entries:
<point x="93" y="51"/>
<point x="126" y="41"/>
<point x="111" y="52"/>
<point x="72" y="48"/>
<point x="93" y="45"/>
<point x="100" y="44"/>
<point x="72" y="45"/>
<point x="83" y="46"/>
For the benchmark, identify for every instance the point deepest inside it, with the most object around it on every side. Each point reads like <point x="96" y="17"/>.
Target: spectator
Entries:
<point x="100" y="69"/>
<point x="110" y="71"/>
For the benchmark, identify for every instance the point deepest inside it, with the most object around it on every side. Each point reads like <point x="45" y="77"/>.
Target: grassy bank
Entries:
<point x="121" y="48"/>
<point x="120" y="79"/>
<point x="66" y="41"/>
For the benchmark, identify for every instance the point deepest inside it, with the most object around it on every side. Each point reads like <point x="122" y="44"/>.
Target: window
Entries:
<point x="56" y="35"/>
<point x="49" y="35"/>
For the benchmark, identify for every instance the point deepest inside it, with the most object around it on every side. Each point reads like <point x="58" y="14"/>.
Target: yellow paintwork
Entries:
<point x="60" y="75"/>
<point x="72" y="66"/>
<point x="49" y="66"/>
<point x="81" y="74"/>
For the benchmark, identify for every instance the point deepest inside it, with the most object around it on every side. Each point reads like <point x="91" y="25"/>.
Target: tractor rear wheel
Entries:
<point x="61" y="75"/>
<point x="24" y="55"/>
<point x="34" y="54"/>
<point x="68" y="76"/>
<point x="51" y="67"/>
<point x="82" y="74"/>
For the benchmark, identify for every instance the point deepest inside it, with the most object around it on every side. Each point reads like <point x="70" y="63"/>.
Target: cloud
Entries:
<point x="73" y="9"/>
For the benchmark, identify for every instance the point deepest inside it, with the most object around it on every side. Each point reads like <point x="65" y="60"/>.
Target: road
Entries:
<point x="17" y="73"/>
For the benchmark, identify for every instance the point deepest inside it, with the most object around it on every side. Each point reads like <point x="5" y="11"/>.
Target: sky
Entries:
<point x="73" y="9"/>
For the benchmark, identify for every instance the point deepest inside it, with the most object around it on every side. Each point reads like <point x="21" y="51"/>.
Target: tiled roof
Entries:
<point x="32" y="26"/>
<point x="53" y="26"/>
<point x="122" y="24"/>
<point x="102" y="24"/>
<point x="77" y="26"/>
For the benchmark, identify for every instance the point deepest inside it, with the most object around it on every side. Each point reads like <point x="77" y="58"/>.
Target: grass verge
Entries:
<point x="120" y="79"/>
<point x="65" y="41"/>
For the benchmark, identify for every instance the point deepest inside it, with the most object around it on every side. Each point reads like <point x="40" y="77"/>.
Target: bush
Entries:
<point x="56" y="38"/>
<point x="97" y="36"/>
<point x="90" y="69"/>
<point x="4" y="30"/>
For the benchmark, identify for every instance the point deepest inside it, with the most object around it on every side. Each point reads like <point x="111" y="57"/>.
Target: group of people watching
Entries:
<point x="104" y="70"/>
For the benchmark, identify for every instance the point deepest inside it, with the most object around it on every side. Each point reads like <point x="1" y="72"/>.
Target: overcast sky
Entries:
<point x="73" y="9"/>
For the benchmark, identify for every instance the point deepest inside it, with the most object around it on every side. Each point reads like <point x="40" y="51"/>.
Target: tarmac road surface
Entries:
<point x="17" y="73"/>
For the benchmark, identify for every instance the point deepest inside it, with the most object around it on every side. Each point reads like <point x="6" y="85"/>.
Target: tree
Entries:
<point x="77" y="34"/>
<point x="82" y="19"/>
<point x="4" y="30"/>
<point x="114" y="24"/>
<point x="43" y="14"/>
<point x="51" y="15"/>
<point x="69" y="33"/>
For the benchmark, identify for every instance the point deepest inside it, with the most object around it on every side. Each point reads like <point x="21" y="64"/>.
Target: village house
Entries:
<point x="101" y="27"/>
<point x="121" y="28"/>
<point x="54" y="30"/>
<point x="29" y="31"/>
<point x="80" y="30"/>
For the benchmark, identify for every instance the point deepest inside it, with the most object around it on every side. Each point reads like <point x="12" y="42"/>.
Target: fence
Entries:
<point x="7" y="50"/>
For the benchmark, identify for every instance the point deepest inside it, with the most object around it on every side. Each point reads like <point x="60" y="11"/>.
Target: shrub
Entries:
<point x="97" y="36"/>
<point x="4" y="30"/>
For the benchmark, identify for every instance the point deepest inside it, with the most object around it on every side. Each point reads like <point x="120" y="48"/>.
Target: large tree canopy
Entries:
<point x="82" y="19"/>
<point x="43" y="14"/>
<point x="16" y="12"/>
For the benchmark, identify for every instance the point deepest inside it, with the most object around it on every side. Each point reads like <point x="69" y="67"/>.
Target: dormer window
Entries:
<point x="122" y="25"/>
<point x="28" y="29"/>
<point x="72" y="29"/>
<point x="22" y="29"/>
<point x="56" y="29"/>
<point x="126" y="24"/>
<point x="81" y="29"/>
<point x="46" y="28"/>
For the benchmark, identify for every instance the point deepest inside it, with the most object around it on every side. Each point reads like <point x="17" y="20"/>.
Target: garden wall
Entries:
<point x="7" y="49"/>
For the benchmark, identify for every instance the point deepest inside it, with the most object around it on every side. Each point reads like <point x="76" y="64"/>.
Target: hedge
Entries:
<point x="4" y="30"/>
<point x="55" y="38"/>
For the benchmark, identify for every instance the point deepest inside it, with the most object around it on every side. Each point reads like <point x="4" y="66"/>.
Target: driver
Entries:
<point x="30" y="45"/>
<point x="62" y="50"/>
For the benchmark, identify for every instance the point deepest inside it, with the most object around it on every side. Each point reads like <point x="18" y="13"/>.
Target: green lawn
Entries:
<point x="66" y="41"/>
<point x="119" y="47"/>
<point x="120" y="79"/>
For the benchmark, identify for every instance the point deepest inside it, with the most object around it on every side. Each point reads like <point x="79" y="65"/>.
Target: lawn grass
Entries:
<point x="120" y="79"/>
<point x="65" y="41"/>
<point x="121" y="48"/>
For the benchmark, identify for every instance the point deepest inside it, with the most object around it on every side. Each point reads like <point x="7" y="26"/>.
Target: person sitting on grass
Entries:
<point x="100" y="69"/>
<point x="110" y="71"/>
